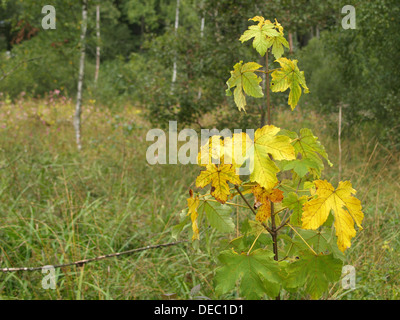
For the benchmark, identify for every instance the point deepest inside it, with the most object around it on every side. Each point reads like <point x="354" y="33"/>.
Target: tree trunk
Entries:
<point x="174" y="73"/>
<point x="290" y="43"/>
<point x="78" y="107"/>
<point x="96" y="75"/>
<point x="203" y="20"/>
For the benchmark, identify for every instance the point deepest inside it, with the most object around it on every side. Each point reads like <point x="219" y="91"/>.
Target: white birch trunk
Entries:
<point x="96" y="75"/>
<point x="174" y="72"/>
<point x="78" y="107"/>
<point x="203" y="21"/>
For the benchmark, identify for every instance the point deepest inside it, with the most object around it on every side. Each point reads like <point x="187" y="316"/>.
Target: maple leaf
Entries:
<point x="294" y="203"/>
<point x="193" y="204"/>
<point x="277" y="43"/>
<point x="267" y="143"/>
<point x="218" y="176"/>
<point x="289" y="77"/>
<point x="265" y="197"/>
<point x="257" y="272"/>
<point x="218" y="215"/>
<point x="245" y="80"/>
<point x="261" y="33"/>
<point x="300" y="166"/>
<point x="211" y="152"/>
<point x="346" y="210"/>
<point x="236" y="149"/>
<point x="320" y="240"/>
<point x="315" y="272"/>
<point x="261" y="20"/>
<point x="311" y="151"/>
<point x="279" y="27"/>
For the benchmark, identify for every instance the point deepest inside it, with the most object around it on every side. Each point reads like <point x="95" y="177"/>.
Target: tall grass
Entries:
<point x="59" y="206"/>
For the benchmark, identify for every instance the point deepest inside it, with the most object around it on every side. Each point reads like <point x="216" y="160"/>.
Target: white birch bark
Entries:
<point x="96" y="75"/>
<point x="78" y="107"/>
<point x="174" y="72"/>
<point x="203" y="21"/>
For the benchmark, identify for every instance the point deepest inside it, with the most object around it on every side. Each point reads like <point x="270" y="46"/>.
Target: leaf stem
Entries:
<point x="228" y="203"/>
<point x="254" y="242"/>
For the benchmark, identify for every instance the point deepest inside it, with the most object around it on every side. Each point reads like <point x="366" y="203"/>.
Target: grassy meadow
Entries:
<point x="59" y="206"/>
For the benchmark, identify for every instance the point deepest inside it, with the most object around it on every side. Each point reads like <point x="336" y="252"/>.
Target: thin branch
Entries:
<point x="285" y="221"/>
<point x="245" y="200"/>
<point x="83" y="262"/>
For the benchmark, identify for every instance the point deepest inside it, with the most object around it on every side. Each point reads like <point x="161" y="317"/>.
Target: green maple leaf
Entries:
<point x="294" y="203"/>
<point x="245" y="80"/>
<point x="300" y="166"/>
<point x="218" y="215"/>
<point x="277" y="43"/>
<point x="289" y="77"/>
<point x="321" y="241"/>
<point x="314" y="272"/>
<point x="261" y="34"/>
<point x="257" y="272"/>
<point x="310" y="149"/>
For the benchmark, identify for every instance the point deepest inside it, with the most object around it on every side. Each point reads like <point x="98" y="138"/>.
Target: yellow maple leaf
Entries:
<point x="261" y="20"/>
<point x="218" y="176"/>
<point x="346" y="209"/>
<point x="266" y="147"/>
<point x="193" y="204"/>
<point x="279" y="27"/>
<point x="236" y="149"/>
<point x="289" y="77"/>
<point x="263" y="199"/>
<point x="211" y="151"/>
<point x="267" y="143"/>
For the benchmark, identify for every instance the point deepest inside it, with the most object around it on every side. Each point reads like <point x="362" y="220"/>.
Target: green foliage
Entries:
<point x="257" y="272"/>
<point x="49" y="59"/>
<point x="218" y="215"/>
<point x="357" y="68"/>
<point x="314" y="272"/>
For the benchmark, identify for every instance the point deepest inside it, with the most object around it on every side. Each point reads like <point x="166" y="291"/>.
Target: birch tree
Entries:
<point x="96" y="75"/>
<point x="78" y="107"/>
<point x="202" y="26"/>
<point x="174" y="72"/>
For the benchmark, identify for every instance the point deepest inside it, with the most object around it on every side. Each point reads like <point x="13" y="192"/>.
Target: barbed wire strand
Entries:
<point x="83" y="262"/>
